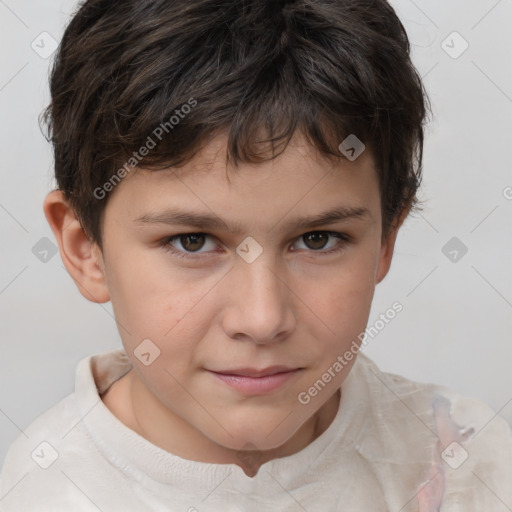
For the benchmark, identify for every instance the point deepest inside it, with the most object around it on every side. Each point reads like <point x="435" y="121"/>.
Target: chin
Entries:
<point x="254" y="443"/>
<point x="251" y="435"/>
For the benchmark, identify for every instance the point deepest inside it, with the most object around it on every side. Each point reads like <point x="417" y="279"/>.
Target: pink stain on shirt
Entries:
<point x="431" y="494"/>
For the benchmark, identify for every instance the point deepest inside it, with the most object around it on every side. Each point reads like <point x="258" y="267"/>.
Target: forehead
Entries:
<point x="300" y="180"/>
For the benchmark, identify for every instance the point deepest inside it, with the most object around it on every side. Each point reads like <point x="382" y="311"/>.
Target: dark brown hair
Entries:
<point x="125" y="70"/>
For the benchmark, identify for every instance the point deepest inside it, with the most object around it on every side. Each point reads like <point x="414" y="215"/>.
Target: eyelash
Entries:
<point x="166" y="243"/>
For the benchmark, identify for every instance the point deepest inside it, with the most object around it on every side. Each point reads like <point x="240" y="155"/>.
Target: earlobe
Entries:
<point x="81" y="257"/>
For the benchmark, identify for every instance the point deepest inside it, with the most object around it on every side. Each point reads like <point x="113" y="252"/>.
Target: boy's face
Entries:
<point x="229" y="307"/>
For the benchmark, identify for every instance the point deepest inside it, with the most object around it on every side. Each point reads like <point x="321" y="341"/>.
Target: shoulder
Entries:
<point x="398" y="392"/>
<point x="451" y="435"/>
<point x="58" y="451"/>
<point x="30" y="464"/>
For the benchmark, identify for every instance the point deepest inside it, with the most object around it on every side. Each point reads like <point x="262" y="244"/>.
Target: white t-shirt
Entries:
<point x="380" y="453"/>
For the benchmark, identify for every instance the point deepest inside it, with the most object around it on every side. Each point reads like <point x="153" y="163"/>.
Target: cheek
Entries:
<point x="343" y="296"/>
<point x="338" y="310"/>
<point x="153" y="301"/>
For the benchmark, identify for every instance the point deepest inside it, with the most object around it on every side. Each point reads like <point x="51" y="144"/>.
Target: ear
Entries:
<point x="388" y="246"/>
<point x="82" y="257"/>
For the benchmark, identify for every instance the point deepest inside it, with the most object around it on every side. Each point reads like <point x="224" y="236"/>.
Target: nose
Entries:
<point x="261" y="306"/>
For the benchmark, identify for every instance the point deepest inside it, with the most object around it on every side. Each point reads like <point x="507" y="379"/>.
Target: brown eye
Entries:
<point x="323" y="242"/>
<point x="189" y="244"/>
<point x="316" y="240"/>
<point x="192" y="242"/>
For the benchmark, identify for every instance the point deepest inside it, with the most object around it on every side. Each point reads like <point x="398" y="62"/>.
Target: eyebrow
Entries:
<point x="206" y="221"/>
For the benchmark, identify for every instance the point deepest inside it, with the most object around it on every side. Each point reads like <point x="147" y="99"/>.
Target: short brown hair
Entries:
<point x="326" y="68"/>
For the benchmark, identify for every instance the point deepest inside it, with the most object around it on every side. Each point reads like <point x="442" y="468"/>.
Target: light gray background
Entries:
<point x="457" y="318"/>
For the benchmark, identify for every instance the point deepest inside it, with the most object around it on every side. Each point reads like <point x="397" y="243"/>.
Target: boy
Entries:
<point x="283" y="139"/>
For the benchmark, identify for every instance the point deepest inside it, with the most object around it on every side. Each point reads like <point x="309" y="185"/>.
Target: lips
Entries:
<point x="253" y="381"/>
<point x="255" y="373"/>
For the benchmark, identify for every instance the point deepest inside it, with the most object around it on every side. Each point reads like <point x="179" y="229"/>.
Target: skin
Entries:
<point x="294" y="305"/>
